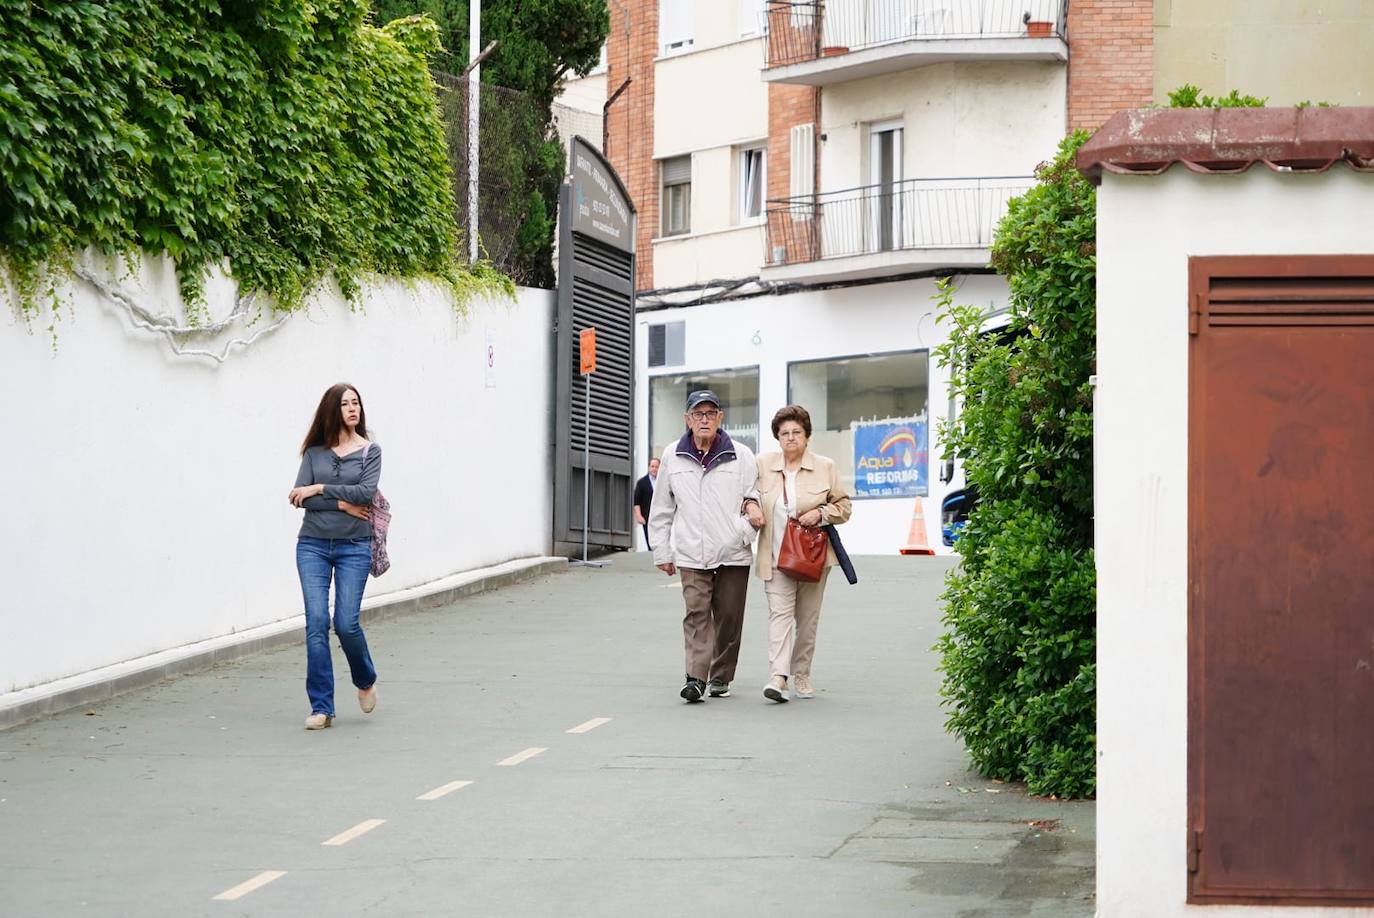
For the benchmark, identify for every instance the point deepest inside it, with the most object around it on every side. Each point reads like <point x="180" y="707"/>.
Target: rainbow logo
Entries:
<point x="901" y="435"/>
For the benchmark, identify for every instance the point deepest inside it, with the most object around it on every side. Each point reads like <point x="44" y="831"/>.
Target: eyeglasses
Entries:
<point x="703" y="415"/>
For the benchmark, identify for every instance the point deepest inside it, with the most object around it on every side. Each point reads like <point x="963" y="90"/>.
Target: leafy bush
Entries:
<point x="1020" y="611"/>
<point x="287" y="137"/>
<point x="1190" y="96"/>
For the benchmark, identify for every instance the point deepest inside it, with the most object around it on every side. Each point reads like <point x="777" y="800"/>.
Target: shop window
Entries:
<point x="870" y="414"/>
<point x="737" y="388"/>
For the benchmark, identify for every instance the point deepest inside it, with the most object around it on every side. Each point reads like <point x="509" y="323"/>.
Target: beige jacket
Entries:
<point x="818" y="485"/>
<point x="696" y="519"/>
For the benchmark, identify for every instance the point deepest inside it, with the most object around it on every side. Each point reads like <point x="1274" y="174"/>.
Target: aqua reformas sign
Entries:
<point x="600" y="207"/>
<point x="890" y="459"/>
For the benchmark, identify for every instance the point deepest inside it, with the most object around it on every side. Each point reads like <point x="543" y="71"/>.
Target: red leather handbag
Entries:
<point x="802" y="555"/>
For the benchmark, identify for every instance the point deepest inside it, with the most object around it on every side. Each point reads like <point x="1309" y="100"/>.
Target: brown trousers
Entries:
<point x="714" y="620"/>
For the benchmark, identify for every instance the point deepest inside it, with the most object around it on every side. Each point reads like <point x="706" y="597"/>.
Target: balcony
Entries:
<point x="823" y="42"/>
<point x="883" y="230"/>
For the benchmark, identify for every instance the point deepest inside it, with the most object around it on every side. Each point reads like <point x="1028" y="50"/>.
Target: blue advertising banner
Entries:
<point x="890" y="459"/>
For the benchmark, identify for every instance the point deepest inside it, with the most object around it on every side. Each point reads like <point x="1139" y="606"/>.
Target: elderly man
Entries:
<point x="702" y="522"/>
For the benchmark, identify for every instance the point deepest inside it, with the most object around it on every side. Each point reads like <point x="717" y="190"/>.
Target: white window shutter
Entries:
<point x="803" y="161"/>
<point x="676" y="24"/>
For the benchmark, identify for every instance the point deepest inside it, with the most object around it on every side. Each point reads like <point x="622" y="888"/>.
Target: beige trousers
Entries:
<point x="794" y="611"/>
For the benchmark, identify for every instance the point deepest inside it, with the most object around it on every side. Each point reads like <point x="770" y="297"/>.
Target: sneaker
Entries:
<point x="718" y="689"/>
<point x="775" y="689"/>
<point x="693" y="691"/>
<point x="318" y="721"/>
<point x="801" y="687"/>
<point x="367" y="699"/>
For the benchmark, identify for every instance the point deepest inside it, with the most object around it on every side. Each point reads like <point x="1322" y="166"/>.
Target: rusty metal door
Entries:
<point x="1281" y="580"/>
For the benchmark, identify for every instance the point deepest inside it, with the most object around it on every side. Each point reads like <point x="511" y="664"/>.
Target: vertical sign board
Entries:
<point x="595" y="295"/>
<point x="586" y="350"/>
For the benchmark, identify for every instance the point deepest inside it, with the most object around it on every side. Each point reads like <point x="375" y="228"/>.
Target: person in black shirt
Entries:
<point x="644" y="496"/>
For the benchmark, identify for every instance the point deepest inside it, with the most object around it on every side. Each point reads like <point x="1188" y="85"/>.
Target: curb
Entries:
<point x="107" y="682"/>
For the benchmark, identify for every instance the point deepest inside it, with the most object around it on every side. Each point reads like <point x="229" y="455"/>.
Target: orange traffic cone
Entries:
<point x="917" y="542"/>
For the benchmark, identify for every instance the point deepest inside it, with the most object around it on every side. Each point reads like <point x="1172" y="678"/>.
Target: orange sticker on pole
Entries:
<point x="587" y="350"/>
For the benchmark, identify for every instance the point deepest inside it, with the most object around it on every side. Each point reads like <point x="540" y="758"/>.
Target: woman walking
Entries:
<point x="339" y="473"/>
<point x="795" y="483"/>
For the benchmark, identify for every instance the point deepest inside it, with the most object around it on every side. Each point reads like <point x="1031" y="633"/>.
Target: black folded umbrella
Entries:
<point x="841" y="555"/>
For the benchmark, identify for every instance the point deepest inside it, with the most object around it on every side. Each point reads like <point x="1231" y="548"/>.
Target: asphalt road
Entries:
<point x="593" y="790"/>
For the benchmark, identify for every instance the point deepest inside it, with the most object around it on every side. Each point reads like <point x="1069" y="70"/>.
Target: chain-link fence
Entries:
<point x="517" y="178"/>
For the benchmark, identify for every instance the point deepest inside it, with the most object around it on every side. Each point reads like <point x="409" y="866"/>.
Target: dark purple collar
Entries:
<point x="722" y="450"/>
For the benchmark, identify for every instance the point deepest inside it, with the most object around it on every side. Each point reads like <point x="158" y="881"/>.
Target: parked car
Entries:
<point x="954" y="511"/>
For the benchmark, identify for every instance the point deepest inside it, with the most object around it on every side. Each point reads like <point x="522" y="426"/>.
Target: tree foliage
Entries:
<point x="540" y="43"/>
<point x="1020" y="613"/>
<point x="286" y="137"/>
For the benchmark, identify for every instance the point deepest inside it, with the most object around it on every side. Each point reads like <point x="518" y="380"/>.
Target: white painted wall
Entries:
<point x="146" y="494"/>
<point x="710" y="98"/>
<point x="680" y="261"/>
<point x="961" y="119"/>
<point x="842" y="322"/>
<point x="1147" y="228"/>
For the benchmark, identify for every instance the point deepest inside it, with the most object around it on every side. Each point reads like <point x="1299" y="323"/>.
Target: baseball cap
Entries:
<point x="700" y="397"/>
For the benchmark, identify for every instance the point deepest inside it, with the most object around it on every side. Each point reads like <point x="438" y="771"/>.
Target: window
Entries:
<point x="667" y="344"/>
<point x="751" y="183"/>
<point x="885" y="187"/>
<point x="738" y="389"/>
<point x="676" y="200"/>
<point x="676" y="25"/>
<point x="752" y="18"/>
<point x="869" y="413"/>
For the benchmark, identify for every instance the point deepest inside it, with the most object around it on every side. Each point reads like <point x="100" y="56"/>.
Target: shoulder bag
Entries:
<point x="802" y="555"/>
<point x="379" y="519"/>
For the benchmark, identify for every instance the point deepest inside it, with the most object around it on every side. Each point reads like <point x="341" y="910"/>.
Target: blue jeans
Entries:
<point x="347" y="561"/>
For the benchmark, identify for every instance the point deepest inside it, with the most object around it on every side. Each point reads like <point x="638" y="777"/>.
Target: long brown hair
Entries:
<point x="328" y="425"/>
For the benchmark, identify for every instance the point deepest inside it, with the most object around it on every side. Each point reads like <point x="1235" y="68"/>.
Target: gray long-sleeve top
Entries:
<point x="351" y="478"/>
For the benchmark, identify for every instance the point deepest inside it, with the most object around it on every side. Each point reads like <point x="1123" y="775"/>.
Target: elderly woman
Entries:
<point x="794" y="483"/>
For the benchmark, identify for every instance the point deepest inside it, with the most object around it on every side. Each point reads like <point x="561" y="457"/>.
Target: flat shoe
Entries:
<point x="367" y="699"/>
<point x="318" y="721"/>
<point x="775" y="690"/>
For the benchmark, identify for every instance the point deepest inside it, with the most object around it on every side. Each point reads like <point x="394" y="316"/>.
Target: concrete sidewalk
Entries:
<point x="856" y="803"/>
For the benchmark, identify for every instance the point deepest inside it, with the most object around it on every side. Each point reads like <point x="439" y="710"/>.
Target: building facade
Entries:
<point x="805" y="172"/>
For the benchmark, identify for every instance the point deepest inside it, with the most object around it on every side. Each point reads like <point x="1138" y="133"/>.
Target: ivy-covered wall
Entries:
<point x="291" y="138"/>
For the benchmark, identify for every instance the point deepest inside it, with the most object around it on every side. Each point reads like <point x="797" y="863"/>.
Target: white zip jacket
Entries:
<point x="696" y="519"/>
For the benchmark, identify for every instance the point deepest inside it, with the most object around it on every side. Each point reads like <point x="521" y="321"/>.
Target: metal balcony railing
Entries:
<point x="805" y="30"/>
<point x="939" y="213"/>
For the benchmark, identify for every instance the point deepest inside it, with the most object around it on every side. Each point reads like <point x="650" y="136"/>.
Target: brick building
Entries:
<point x="805" y="171"/>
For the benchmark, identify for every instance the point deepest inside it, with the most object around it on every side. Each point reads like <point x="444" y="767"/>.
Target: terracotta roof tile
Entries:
<point x="1149" y="141"/>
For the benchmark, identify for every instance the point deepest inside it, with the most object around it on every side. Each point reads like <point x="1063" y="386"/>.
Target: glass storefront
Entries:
<point x="737" y="388"/>
<point x="870" y="414"/>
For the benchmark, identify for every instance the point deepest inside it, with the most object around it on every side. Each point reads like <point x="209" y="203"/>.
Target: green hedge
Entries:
<point x="289" y="137"/>
<point x="1020" y="611"/>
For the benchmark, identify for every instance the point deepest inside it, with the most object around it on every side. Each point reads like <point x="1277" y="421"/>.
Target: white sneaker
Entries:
<point x="318" y="721"/>
<point x="776" y="689"/>
<point x="801" y="687"/>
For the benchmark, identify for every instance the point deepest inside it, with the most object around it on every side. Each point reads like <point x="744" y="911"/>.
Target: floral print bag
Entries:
<point x="379" y="518"/>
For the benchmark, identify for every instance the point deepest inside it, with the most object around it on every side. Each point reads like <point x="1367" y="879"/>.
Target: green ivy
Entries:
<point x="1020" y="611"/>
<point x="1190" y="96"/>
<point x="289" y="139"/>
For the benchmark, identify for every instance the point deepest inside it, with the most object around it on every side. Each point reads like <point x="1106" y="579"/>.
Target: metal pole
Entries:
<point x="587" y="475"/>
<point x="474" y="119"/>
<point x="586" y="466"/>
